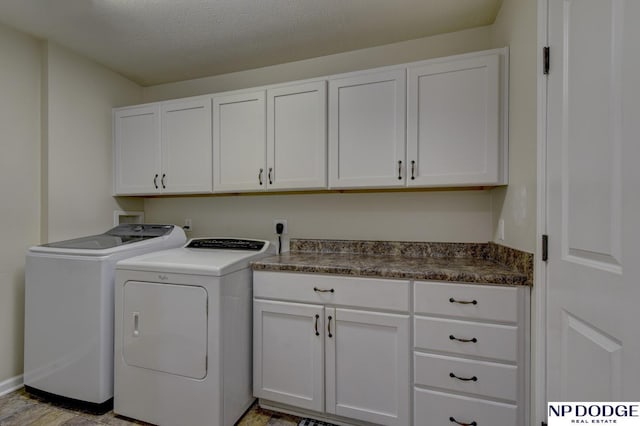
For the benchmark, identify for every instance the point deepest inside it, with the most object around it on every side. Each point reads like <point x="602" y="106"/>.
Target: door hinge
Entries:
<point x="545" y="60"/>
<point x="545" y="247"/>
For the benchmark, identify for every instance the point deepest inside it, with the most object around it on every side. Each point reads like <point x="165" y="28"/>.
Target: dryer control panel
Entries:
<point x="226" y="244"/>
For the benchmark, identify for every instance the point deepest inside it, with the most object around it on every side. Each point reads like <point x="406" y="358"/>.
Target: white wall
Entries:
<point x="80" y="95"/>
<point x="516" y="26"/>
<point x="413" y="216"/>
<point x="19" y="184"/>
<point x="396" y="53"/>
<point x="461" y="216"/>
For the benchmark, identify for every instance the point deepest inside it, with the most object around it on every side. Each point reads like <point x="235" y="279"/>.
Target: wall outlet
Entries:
<point x="187" y="225"/>
<point x="501" y="229"/>
<point x="284" y="223"/>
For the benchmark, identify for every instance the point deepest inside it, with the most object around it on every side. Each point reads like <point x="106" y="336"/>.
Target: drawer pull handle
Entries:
<point x="329" y="327"/>
<point x="400" y="170"/>
<point x="464" y="379"/>
<point x="164" y="176"/>
<point x="155" y="181"/>
<point x="317" y="332"/>
<point x="260" y="176"/>
<point x="452" y="420"/>
<point x="322" y="290"/>
<point x="463" y="302"/>
<point x="472" y="340"/>
<point x="413" y="170"/>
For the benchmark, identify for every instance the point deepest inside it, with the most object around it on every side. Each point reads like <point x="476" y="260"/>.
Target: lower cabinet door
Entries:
<point x="367" y="366"/>
<point x="288" y="353"/>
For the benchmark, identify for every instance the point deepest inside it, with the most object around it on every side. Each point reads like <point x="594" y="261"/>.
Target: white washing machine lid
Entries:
<point x="201" y="256"/>
<point x="119" y="239"/>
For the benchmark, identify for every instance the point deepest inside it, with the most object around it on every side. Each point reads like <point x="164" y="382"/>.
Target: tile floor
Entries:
<point x="21" y="409"/>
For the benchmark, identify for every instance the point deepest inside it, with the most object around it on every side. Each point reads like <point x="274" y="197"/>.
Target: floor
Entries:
<point x="21" y="409"/>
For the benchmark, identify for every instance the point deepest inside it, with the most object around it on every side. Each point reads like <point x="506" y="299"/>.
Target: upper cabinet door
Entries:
<point x="186" y="146"/>
<point x="453" y="127"/>
<point x="239" y="142"/>
<point x="137" y="150"/>
<point x="297" y="137"/>
<point x="367" y="130"/>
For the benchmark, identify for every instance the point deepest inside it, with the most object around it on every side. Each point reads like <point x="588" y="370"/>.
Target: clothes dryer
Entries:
<point x="183" y="346"/>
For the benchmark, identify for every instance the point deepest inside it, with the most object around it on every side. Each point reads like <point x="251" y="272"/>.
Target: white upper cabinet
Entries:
<point x="136" y="135"/>
<point x="186" y="146"/>
<point x="435" y="123"/>
<point x="297" y="137"/>
<point x="454" y="126"/>
<point x="239" y="142"/>
<point x="367" y="130"/>
<point x="163" y="148"/>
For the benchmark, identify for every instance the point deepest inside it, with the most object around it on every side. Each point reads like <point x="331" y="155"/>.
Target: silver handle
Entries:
<point x="400" y="170"/>
<point x="269" y="175"/>
<point x="136" y="324"/>
<point x="413" y="170"/>
<point x="260" y="176"/>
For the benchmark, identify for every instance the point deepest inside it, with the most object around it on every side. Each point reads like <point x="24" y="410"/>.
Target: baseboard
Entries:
<point x="12" y="384"/>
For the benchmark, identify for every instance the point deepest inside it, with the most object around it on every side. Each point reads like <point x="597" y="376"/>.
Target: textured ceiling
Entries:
<point x="158" y="41"/>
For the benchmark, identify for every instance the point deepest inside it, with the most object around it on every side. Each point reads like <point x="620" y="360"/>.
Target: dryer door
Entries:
<point x="165" y="328"/>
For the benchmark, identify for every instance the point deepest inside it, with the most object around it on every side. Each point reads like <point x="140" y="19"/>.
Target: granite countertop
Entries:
<point x="456" y="262"/>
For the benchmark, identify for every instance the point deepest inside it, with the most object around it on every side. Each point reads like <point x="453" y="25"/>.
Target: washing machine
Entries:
<point x="68" y="341"/>
<point x="183" y="339"/>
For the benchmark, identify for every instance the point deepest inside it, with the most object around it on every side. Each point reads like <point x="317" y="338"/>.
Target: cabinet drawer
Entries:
<point x="491" y="340"/>
<point x="491" y="379"/>
<point x="349" y="291"/>
<point x="438" y="409"/>
<point x="467" y="301"/>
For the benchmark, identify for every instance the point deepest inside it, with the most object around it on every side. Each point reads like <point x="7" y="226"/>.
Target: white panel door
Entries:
<point x="288" y="353"/>
<point x="297" y="137"/>
<point x="137" y="150"/>
<point x="367" y="125"/>
<point x="239" y="146"/>
<point x="453" y="125"/>
<point x="593" y="116"/>
<point x="165" y="328"/>
<point x="186" y="146"/>
<point x="367" y="362"/>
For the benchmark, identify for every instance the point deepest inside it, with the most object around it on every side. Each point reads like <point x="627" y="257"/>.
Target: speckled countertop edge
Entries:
<point x="485" y="263"/>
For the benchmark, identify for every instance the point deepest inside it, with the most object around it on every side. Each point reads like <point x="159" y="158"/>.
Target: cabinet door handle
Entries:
<point x="472" y="340"/>
<point x="155" y="181"/>
<point x="322" y="290"/>
<point x="413" y="170"/>
<point x="463" y="302"/>
<point x="260" y="176"/>
<point x="162" y="181"/>
<point x="329" y="326"/>
<point x="400" y="170"/>
<point x="269" y="176"/>
<point x="464" y="379"/>
<point x="452" y="420"/>
<point x="316" y="326"/>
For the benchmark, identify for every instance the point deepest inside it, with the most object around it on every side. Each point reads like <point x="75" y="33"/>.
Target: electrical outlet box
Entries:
<point x="501" y="229"/>
<point x="285" y="230"/>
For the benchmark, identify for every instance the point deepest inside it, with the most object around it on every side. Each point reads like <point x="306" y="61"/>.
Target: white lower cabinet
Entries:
<point x="351" y="363"/>
<point x="342" y="348"/>
<point x="470" y="356"/>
